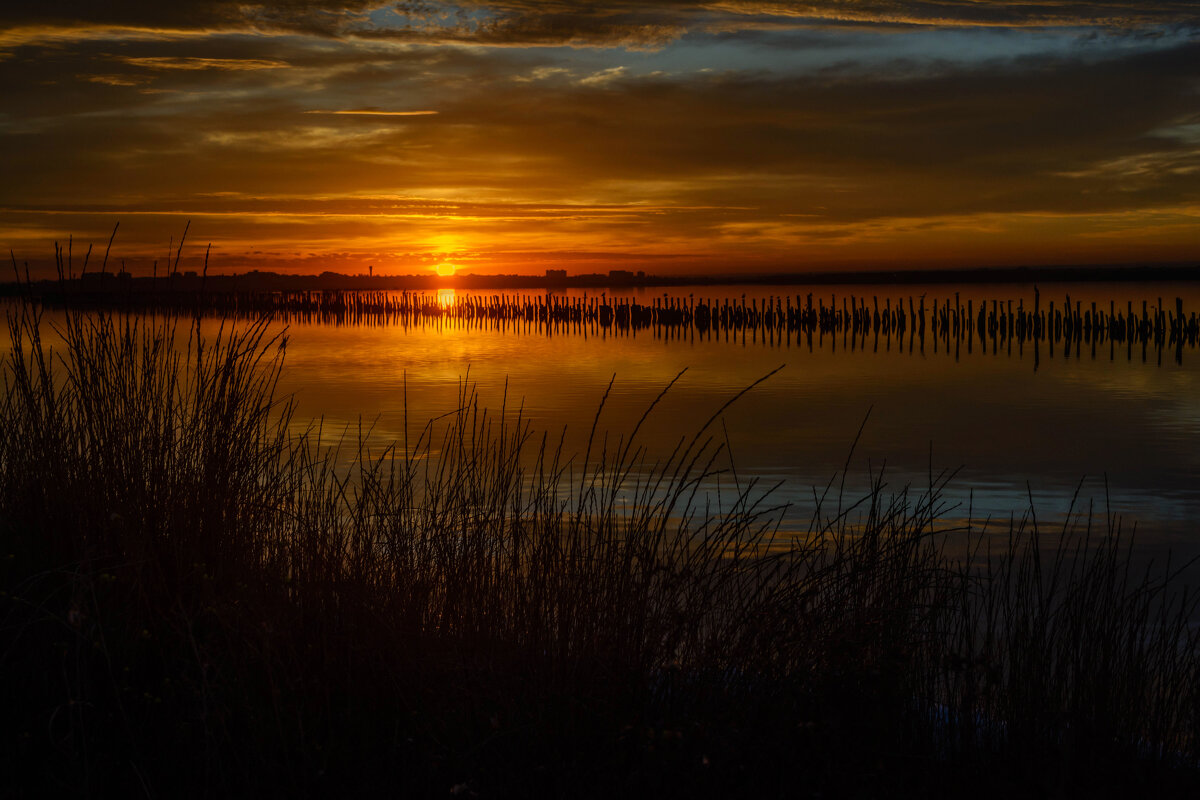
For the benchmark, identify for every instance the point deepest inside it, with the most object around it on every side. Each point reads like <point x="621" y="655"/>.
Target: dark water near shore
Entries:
<point x="1118" y="423"/>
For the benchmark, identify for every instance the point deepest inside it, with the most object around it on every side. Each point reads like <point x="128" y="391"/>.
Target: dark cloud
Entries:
<point x="652" y="24"/>
<point x="546" y="22"/>
<point x="311" y="16"/>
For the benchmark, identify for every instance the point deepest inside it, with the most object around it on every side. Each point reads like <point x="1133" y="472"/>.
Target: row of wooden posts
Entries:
<point x="1163" y="325"/>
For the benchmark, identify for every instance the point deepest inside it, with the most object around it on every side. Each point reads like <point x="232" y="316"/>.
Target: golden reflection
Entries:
<point x="445" y="298"/>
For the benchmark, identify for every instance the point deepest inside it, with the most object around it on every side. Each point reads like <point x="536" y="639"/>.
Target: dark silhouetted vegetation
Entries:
<point x="198" y="600"/>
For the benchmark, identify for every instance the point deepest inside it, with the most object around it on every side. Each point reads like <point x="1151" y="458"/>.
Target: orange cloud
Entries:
<point x="372" y="112"/>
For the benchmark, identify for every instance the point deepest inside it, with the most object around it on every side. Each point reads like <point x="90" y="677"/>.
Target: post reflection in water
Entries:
<point x="776" y="316"/>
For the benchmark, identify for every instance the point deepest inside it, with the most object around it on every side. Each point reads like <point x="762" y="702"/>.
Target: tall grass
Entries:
<point x="199" y="600"/>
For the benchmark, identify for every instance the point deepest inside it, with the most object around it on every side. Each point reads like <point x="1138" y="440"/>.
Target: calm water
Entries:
<point x="1012" y="426"/>
<point x="1009" y="430"/>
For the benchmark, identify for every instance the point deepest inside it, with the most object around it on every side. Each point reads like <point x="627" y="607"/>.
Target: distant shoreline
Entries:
<point x="257" y="281"/>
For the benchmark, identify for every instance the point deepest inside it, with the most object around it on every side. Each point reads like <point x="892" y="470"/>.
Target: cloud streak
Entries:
<point x="194" y="63"/>
<point x="371" y="112"/>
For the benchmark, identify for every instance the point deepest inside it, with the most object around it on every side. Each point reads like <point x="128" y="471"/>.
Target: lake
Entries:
<point x="1060" y="423"/>
<point x="1118" y="424"/>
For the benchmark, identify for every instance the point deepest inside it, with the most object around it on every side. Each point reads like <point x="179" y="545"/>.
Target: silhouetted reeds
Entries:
<point x="198" y="600"/>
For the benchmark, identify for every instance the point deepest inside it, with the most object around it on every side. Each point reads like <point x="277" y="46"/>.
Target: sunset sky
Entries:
<point x="513" y="136"/>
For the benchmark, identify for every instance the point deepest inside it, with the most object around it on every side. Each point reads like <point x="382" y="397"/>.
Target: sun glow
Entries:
<point x="445" y="270"/>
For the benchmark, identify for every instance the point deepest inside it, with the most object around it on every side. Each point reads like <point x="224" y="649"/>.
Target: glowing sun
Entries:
<point x="445" y="270"/>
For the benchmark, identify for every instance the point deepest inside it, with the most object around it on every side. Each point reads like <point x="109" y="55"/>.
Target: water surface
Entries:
<point x="1118" y="425"/>
<point x="1060" y="424"/>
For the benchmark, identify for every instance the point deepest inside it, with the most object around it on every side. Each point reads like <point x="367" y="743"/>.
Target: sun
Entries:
<point x="445" y="270"/>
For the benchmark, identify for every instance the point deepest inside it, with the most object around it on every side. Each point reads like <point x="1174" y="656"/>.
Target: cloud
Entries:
<point x="604" y="76"/>
<point x="112" y="80"/>
<point x="313" y="16"/>
<point x="954" y="13"/>
<point x="372" y="112"/>
<point x="551" y="22"/>
<point x="195" y="63"/>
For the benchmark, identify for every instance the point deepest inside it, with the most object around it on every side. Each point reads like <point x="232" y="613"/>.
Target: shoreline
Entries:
<point x="109" y="282"/>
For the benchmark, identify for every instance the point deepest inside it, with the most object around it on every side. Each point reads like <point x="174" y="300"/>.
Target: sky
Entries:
<point x="735" y="136"/>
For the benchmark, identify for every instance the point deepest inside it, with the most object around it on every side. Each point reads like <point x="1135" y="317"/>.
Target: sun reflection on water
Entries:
<point x="445" y="298"/>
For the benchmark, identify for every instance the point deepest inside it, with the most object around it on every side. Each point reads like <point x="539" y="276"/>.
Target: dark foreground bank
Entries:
<point x="199" y="602"/>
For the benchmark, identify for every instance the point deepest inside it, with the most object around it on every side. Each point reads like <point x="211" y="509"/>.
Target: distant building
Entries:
<point x="620" y="276"/>
<point x="556" y="275"/>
